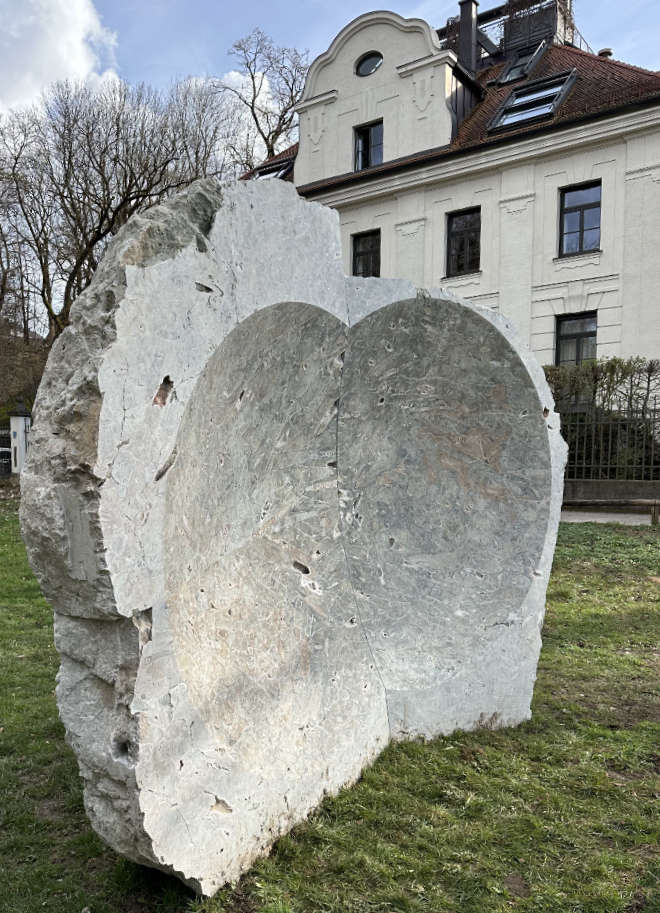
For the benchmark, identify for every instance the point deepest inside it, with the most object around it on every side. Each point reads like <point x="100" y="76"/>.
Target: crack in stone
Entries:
<point x="167" y="465"/>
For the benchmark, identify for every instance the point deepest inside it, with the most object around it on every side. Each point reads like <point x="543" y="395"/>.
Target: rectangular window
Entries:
<point x="518" y="69"/>
<point x="576" y="338"/>
<point x="579" y="219"/>
<point x="366" y="253"/>
<point x="369" y="145"/>
<point x="523" y="64"/>
<point x="536" y="100"/>
<point x="463" y="241"/>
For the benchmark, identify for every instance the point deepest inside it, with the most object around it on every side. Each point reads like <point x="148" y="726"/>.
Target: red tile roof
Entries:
<point x="283" y="157"/>
<point x="602" y="86"/>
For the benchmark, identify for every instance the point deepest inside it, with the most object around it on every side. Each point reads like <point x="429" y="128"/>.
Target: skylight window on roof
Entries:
<point x="281" y="171"/>
<point x="517" y="69"/>
<point x="533" y="101"/>
<point x="523" y="64"/>
<point x="515" y="117"/>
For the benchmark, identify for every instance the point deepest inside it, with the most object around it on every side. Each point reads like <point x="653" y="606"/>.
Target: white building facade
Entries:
<point x="524" y="177"/>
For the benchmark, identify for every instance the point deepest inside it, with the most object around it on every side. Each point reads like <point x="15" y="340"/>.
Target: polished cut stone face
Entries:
<point x="283" y="517"/>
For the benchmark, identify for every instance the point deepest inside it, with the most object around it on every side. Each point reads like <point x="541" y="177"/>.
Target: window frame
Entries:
<point x="563" y="209"/>
<point x="362" y="58"/>
<point x="579" y="337"/>
<point x="358" y="236"/>
<point x="533" y="53"/>
<point x="449" y="235"/>
<point x="360" y="131"/>
<point x="511" y="102"/>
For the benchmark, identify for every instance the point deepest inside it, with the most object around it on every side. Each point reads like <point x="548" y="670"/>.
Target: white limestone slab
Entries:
<point x="282" y="516"/>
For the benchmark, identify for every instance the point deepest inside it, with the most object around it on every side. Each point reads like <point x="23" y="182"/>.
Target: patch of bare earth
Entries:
<point x="516" y="885"/>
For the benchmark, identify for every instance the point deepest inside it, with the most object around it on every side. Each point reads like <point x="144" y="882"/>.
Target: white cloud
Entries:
<point x="45" y="40"/>
<point x="234" y="79"/>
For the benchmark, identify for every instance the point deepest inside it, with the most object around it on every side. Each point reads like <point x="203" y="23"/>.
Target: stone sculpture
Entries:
<point x="282" y="516"/>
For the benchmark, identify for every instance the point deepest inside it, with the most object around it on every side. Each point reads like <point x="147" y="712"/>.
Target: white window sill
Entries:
<point x="464" y="278"/>
<point x="591" y="256"/>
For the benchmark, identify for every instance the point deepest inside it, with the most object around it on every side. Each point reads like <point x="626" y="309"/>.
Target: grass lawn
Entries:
<point x="560" y="814"/>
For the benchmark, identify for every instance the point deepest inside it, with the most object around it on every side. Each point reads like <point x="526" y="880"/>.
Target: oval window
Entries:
<point x="369" y="63"/>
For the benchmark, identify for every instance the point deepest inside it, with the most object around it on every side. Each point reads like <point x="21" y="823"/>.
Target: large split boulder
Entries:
<point x="282" y="516"/>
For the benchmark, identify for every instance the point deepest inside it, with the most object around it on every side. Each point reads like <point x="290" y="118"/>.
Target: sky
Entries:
<point x="158" y="41"/>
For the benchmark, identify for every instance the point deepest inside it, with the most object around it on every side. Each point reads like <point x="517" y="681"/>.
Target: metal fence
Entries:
<point x="624" y="446"/>
<point x="521" y="24"/>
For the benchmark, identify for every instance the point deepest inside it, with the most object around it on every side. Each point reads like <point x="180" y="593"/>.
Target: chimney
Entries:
<point x="605" y="52"/>
<point x="467" y="35"/>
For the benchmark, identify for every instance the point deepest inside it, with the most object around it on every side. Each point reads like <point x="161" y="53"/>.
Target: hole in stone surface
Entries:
<point x="391" y="541"/>
<point x="202" y="288"/>
<point x="222" y="806"/>
<point x="381" y="401"/>
<point x="180" y="765"/>
<point x="201" y="244"/>
<point x="241" y="395"/>
<point x="546" y="412"/>
<point x="332" y="464"/>
<point x="301" y="568"/>
<point x="121" y="749"/>
<point x="163" y="393"/>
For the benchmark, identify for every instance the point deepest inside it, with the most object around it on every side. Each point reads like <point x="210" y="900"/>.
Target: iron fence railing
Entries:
<point x="520" y="24"/>
<point x="617" y="445"/>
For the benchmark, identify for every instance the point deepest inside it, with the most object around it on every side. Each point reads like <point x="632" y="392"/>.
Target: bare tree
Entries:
<point x="268" y="85"/>
<point x="74" y="168"/>
<point x="19" y="309"/>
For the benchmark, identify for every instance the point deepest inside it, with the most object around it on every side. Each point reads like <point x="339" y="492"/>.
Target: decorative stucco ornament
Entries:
<point x="282" y="516"/>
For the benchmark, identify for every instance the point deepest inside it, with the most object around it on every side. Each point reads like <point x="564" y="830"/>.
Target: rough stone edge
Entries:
<point x="62" y="456"/>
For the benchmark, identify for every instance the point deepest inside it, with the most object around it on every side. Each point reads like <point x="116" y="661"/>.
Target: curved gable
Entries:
<point x="399" y="40"/>
<point x="406" y="98"/>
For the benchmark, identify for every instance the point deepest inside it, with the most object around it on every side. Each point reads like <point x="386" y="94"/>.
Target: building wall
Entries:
<point x="411" y="92"/>
<point x="520" y="273"/>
